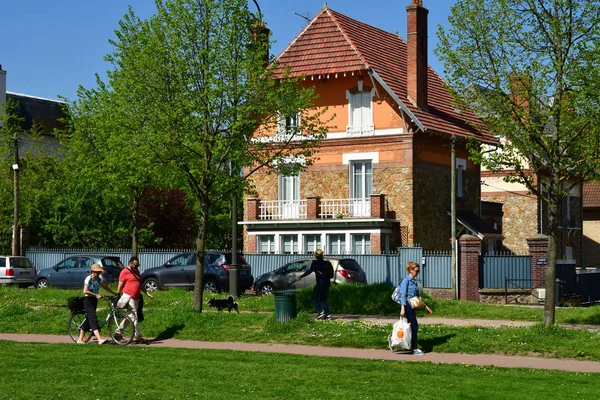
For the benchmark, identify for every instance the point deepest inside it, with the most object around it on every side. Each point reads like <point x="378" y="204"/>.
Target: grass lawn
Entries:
<point x="182" y="322"/>
<point x="343" y="299"/>
<point x="96" y="372"/>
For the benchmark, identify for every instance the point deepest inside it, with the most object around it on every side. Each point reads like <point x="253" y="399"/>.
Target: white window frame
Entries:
<point x="270" y="244"/>
<point x="286" y="129"/>
<point x="317" y="242"/>
<point x="289" y="207"/>
<point x="365" y="243"/>
<point x="341" y="240"/>
<point x="294" y="243"/>
<point x="366" y="127"/>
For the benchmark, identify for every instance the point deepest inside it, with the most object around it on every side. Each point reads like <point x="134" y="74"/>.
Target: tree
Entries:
<point x="529" y="69"/>
<point x="195" y="73"/>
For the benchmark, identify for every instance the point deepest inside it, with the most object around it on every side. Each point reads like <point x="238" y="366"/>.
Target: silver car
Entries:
<point x="17" y="270"/>
<point x="346" y="270"/>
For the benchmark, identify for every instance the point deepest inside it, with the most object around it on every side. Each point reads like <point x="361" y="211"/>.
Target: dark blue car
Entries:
<point x="71" y="272"/>
<point x="180" y="271"/>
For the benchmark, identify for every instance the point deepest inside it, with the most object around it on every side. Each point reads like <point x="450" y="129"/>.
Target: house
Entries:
<point x="43" y="115"/>
<point x="382" y="177"/>
<point x="591" y="225"/>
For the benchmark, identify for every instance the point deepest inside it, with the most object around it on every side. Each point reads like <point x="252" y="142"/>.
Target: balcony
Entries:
<point x="363" y="130"/>
<point x="314" y="208"/>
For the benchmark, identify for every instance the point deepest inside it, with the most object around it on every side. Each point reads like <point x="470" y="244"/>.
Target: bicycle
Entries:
<point x="119" y="324"/>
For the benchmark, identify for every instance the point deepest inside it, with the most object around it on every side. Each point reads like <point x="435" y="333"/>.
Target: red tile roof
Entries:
<point x="591" y="195"/>
<point x="334" y="43"/>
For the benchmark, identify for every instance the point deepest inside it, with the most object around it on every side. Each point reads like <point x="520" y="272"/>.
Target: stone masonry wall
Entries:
<point x="519" y="221"/>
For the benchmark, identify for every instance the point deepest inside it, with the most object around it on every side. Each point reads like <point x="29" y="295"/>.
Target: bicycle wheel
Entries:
<point x="75" y="324"/>
<point x="121" y="328"/>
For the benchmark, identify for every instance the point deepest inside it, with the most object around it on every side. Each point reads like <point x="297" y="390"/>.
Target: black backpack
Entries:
<point x="328" y="270"/>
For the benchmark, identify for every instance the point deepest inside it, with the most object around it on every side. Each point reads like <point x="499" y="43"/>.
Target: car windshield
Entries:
<point x="241" y="259"/>
<point x="350" y="264"/>
<point x="21" y="263"/>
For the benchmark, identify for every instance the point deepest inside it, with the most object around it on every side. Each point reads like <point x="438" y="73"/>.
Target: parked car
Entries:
<point x="16" y="270"/>
<point x="71" y="272"/>
<point x="346" y="270"/>
<point x="180" y="271"/>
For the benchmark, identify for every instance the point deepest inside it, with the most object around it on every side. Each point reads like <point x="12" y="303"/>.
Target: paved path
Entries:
<point x="439" y="358"/>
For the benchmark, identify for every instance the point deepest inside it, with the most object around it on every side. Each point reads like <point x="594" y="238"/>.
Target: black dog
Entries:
<point x="224" y="303"/>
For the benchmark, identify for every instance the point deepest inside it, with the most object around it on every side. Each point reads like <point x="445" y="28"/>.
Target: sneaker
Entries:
<point x="417" y="352"/>
<point x="390" y="343"/>
<point x="321" y="316"/>
<point x="328" y="316"/>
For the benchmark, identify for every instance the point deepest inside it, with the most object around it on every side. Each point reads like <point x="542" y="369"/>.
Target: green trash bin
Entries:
<point x="285" y="305"/>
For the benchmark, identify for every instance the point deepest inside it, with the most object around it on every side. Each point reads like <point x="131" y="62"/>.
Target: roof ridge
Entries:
<point x="337" y="23"/>
<point x="282" y="52"/>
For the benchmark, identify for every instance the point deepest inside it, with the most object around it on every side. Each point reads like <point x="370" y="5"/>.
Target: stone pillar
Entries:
<point x="468" y="247"/>
<point x="313" y="208"/>
<point x="538" y="248"/>
<point x="253" y="209"/>
<point x="378" y="206"/>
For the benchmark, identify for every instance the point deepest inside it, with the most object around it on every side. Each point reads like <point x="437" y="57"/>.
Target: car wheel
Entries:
<point x="211" y="286"/>
<point x="266" y="289"/>
<point x="42" y="284"/>
<point x="151" y="285"/>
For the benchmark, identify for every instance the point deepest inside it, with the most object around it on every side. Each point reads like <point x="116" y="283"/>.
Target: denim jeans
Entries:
<point x="320" y="296"/>
<point x="411" y="316"/>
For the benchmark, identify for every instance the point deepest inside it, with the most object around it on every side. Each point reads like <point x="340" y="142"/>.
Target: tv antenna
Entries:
<point x="302" y="16"/>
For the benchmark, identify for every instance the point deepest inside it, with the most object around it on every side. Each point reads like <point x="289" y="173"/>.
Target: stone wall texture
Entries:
<point x="519" y="220"/>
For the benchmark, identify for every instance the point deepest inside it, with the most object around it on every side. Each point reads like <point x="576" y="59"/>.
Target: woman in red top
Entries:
<point x="130" y="286"/>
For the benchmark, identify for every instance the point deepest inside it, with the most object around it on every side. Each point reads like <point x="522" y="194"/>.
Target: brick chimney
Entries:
<point x="416" y="70"/>
<point x="2" y="88"/>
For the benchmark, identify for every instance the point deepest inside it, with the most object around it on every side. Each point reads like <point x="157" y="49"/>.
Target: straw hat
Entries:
<point x="97" y="268"/>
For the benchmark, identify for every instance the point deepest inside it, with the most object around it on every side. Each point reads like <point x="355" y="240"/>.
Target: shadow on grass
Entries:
<point x="168" y="333"/>
<point x="429" y="344"/>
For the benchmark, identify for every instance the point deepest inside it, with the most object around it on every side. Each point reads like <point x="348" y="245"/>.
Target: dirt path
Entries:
<point x="438" y="358"/>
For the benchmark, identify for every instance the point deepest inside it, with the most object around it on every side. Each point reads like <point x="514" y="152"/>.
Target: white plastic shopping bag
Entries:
<point x="401" y="334"/>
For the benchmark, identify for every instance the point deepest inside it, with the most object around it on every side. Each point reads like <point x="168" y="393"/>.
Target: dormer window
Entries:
<point x="360" y="111"/>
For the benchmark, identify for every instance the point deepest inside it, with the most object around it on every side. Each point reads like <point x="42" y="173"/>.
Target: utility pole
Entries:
<point x="234" y="272"/>
<point x="453" y="218"/>
<point x="16" y="251"/>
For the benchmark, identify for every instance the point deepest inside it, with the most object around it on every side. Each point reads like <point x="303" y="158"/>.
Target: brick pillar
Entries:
<point x="378" y="206"/>
<point x="253" y="209"/>
<point x="376" y="243"/>
<point x="538" y="248"/>
<point x="251" y="244"/>
<point x="468" y="247"/>
<point x="313" y="208"/>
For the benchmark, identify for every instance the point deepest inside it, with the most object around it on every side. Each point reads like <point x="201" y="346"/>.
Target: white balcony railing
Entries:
<point x="282" y="209"/>
<point x="363" y="130"/>
<point x="342" y="208"/>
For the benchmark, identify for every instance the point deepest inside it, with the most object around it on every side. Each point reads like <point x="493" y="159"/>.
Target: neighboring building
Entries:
<point x="38" y="113"/>
<point x="591" y="225"/>
<point x="382" y="177"/>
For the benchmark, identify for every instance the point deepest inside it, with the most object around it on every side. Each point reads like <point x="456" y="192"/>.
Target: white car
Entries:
<point x="17" y="270"/>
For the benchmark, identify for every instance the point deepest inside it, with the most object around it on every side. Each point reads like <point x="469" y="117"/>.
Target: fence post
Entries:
<point x="469" y="267"/>
<point x="538" y="248"/>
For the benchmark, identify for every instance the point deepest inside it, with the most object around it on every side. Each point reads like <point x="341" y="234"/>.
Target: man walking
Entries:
<point x="323" y="273"/>
<point x="130" y="286"/>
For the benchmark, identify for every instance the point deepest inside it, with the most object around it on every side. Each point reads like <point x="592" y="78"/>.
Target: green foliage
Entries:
<point x="529" y="69"/>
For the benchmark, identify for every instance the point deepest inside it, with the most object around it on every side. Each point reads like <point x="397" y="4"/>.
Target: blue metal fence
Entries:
<point x="494" y="269"/>
<point x="436" y="272"/>
<point x="47" y="257"/>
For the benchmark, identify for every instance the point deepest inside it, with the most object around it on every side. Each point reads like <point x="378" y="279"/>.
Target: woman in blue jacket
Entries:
<point x="408" y="289"/>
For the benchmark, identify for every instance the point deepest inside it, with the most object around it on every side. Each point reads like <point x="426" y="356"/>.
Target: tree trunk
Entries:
<point x="549" y="305"/>
<point x="200" y="247"/>
<point x="134" y="233"/>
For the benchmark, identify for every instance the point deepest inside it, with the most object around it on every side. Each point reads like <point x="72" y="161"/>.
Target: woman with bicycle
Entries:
<point x="91" y="287"/>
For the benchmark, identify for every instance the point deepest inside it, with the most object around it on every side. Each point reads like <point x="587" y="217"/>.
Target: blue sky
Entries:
<point x="49" y="48"/>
